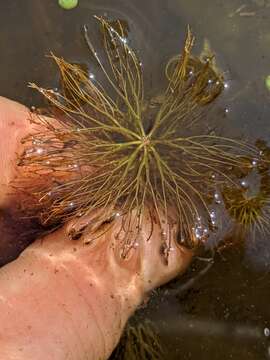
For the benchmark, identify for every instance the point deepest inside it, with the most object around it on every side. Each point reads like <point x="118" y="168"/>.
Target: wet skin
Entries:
<point x="65" y="299"/>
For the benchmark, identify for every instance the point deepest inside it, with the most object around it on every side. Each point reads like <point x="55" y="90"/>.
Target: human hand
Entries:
<point x="66" y="298"/>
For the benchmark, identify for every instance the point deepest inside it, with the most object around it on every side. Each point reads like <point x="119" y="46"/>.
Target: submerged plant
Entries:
<point x="249" y="205"/>
<point x="139" y="341"/>
<point x="129" y="155"/>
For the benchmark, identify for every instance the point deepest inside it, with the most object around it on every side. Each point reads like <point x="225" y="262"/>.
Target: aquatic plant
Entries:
<point x="139" y="341"/>
<point x="249" y="205"/>
<point x="128" y="154"/>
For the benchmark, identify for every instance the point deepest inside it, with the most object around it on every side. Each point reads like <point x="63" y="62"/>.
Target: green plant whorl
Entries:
<point x="128" y="163"/>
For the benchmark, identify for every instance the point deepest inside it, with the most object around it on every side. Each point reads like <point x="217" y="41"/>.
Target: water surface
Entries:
<point x="226" y="314"/>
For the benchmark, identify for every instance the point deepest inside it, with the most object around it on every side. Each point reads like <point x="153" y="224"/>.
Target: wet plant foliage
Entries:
<point x="139" y="341"/>
<point x="113" y="149"/>
<point x="249" y="204"/>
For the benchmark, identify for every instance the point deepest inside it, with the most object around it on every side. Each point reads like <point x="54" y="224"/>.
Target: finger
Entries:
<point x="145" y="253"/>
<point x="17" y="229"/>
<point x="14" y="125"/>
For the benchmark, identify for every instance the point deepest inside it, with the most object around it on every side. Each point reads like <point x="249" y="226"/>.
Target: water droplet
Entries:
<point x="92" y="76"/>
<point x="254" y="163"/>
<point x="217" y="198"/>
<point x="123" y="39"/>
<point x="226" y="85"/>
<point x="39" y="151"/>
<point x="266" y="332"/>
<point x="226" y="110"/>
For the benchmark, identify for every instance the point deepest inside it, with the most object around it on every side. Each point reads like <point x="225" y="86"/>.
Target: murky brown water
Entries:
<point x="226" y="313"/>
